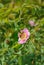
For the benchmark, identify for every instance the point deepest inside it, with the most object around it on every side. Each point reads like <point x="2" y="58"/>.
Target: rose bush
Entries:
<point x="21" y="32"/>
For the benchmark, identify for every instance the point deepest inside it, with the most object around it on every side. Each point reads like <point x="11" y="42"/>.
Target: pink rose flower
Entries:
<point x="31" y="23"/>
<point x="23" y="36"/>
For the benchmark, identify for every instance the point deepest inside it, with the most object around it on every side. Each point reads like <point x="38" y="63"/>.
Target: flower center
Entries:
<point x="23" y="35"/>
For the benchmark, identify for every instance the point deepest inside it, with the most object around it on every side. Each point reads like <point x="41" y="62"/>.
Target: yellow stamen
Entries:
<point x="23" y="36"/>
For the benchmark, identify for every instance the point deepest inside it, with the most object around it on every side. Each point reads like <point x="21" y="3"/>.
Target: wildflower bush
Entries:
<point x="21" y="32"/>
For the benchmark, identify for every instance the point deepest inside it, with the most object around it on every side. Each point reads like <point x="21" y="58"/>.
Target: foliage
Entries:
<point x="15" y="16"/>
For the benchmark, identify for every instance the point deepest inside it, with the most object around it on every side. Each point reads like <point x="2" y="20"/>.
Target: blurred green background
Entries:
<point x="14" y="16"/>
